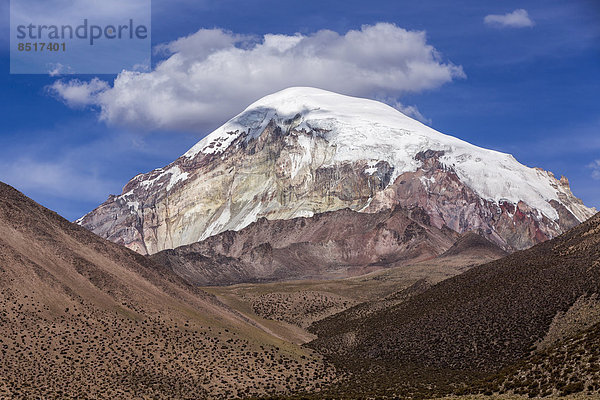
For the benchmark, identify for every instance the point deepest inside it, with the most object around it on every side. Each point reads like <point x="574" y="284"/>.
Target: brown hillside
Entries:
<point x="81" y="317"/>
<point x="480" y="321"/>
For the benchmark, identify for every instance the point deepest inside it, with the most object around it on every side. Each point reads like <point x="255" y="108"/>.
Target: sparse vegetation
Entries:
<point x="84" y="318"/>
<point x="298" y="308"/>
<point x="470" y="327"/>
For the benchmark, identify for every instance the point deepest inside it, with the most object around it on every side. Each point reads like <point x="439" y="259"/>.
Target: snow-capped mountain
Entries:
<point x="303" y="151"/>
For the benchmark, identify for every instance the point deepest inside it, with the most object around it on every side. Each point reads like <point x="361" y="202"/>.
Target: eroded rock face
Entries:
<point x="438" y="190"/>
<point x="335" y="244"/>
<point x="227" y="192"/>
<point x="304" y="151"/>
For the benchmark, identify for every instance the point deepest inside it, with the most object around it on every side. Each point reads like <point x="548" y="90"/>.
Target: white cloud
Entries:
<point x="516" y="19"/>
<point x="77" y="94"/>
<point x="58" y="69"/>
<point x="213" y="74"/>
<point x="411" y="110"/>
<point x="595" y="166"/>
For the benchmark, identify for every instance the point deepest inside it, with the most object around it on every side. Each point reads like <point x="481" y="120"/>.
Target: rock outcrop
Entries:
<point x="334" y="244"/>
<point x="305" y="151"/>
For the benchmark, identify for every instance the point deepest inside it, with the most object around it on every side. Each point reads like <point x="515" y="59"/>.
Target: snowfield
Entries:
<point x="362" y="129"/>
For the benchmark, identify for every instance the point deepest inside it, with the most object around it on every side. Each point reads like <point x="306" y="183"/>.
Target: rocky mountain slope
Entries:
<point x="81" y="317"/>
<point x="300" y="303"/>
<point x="570" y="366"/>
<point x="334" y="244"/>
<point x="305" y="151"/>
<point x="490" y="317"/>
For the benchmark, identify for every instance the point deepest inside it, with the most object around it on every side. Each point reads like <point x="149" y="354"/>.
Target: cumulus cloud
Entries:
<point x="77" y="94"/>
<point x="211" y="75"/>
<point x="516" y="19"/>
<point x="595" y="167"/>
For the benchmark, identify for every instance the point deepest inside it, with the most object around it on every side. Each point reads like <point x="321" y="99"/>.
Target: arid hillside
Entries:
<point x="481" y="321"/>
<point x="81" y="317"/>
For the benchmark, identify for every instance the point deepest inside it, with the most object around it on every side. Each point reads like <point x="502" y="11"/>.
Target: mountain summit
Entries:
<point x="304" y="151"/>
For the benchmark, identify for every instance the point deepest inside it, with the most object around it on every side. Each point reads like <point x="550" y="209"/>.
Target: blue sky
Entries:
<point x="526" y="88"/>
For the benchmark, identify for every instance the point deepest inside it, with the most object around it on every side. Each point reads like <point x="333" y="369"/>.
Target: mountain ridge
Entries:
<point x="303" y="151"/>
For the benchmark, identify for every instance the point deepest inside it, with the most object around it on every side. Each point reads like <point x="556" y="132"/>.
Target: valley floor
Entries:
<point x="287" y="309"/>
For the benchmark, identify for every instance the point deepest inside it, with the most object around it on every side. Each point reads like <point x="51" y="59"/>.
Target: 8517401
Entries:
<point x="41" y="46"/>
